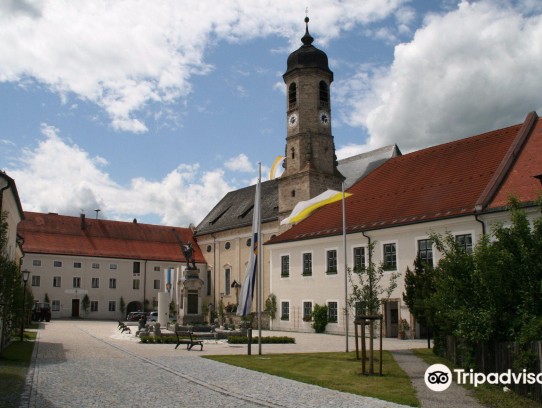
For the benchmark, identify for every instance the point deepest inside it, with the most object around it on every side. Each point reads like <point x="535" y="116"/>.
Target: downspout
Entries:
<point x="476" y="215"/>
<point x="144" y="283"/>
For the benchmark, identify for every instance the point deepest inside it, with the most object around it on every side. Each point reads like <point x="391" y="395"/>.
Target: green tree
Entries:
<point x="122" y="305"/>
<point x="367" y="291"/>
<point x="493" y="293"/>
<point x="11" y="288"/>
<point x="271" y="306"/>
<point x="419" y="287"/>
<point x="86" y="303"/>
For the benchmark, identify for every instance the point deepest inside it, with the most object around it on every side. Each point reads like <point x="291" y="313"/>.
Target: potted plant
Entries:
<point x="403" y="328"/>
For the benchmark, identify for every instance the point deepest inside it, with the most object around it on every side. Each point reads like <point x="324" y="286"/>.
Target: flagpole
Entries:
<point x="259" y="266"/>
<point x="345" y="268"/>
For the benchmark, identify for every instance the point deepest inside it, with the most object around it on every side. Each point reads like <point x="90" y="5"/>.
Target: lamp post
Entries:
<point x="26" y="274"/>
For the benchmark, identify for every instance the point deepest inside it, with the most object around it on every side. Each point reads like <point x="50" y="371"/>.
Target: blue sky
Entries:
<point x="154" y="110"/>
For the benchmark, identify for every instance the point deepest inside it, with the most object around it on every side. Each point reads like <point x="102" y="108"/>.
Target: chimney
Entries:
<point x="82" y="221"/>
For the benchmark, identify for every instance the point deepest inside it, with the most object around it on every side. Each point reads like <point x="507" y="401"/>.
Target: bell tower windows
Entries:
<point x="292" y="96"/>
<point x="324" y="95"/>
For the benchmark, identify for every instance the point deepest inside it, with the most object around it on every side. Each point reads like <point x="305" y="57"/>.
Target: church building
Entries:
<point x="310" y="168"/>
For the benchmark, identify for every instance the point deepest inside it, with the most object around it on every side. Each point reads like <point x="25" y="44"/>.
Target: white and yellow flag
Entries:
<point x="304" y="208"/>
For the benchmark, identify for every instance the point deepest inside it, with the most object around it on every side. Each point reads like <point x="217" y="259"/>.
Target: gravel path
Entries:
<point x="84" y="364"/>
<point x="454" y="396"/>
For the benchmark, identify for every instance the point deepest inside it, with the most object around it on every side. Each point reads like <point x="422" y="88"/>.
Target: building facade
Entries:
<point x="119" y="266"/>
<point x="460" y="188"/>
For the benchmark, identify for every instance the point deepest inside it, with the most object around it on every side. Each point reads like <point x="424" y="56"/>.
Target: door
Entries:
<point x="75" y="307"/>
<point x="392" y="319"/>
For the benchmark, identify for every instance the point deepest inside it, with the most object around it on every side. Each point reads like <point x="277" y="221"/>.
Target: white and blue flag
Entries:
<point x="247" y="288"/>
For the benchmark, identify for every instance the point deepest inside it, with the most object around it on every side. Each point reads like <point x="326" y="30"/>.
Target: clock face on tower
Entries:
<point x="292" y="120"/>
<point x="324" y="118"/>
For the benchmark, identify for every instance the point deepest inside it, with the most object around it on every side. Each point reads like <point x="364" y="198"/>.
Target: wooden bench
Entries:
<point x="185" y="337"/>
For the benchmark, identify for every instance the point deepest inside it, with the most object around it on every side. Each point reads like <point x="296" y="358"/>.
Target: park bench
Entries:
<point x="122" y="327"/>
<point x="185" y="337"/>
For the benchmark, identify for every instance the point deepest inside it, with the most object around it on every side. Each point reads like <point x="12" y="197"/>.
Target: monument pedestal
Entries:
<point x="190" y="287"/>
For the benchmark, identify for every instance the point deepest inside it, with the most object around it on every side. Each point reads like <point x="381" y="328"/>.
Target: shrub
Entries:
<point x="265" y="340"/>
<point x="319" y="315"/>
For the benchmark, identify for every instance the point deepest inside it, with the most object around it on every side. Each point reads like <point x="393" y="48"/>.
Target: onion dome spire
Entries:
<point x="307" y="38"/>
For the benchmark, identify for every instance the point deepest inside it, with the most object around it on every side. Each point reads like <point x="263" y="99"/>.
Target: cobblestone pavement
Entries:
<point x="80" y="363"/>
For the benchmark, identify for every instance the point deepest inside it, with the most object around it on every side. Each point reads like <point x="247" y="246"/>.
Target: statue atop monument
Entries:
<point x="188" y="252"/>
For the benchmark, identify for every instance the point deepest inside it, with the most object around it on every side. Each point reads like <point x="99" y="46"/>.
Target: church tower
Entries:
<point x="310" y="161"/>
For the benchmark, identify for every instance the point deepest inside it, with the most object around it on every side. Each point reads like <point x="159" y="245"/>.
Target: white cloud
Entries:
<point x="240" y="163"/>
<point x="467" y="71"/>
<point x="61" y="177"/>
<point x="125" y="55"/>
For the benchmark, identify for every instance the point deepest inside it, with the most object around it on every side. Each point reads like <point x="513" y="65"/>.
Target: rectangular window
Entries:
<point x="156" y="269"/>
<point x="36" y="262"/>
<point x="227" y="281"/>
<point x="95" y="265"/>
<point x="95" y="283"/>
<point x="113" y="266"/>
<point x="76" y="282"/>
<point x="425" y="250"/>
<point x="464" y="241"/>
<point x="57" y="264"/>
<point x="135" y="284"/>
<point x="390" y="257"/>
<point x="57" y="281"/>
<point x="331" y="261"/>
<point x="112" y="305"/>
<point x="137" y="268"/>
<point x="332" y="312"/>
<point x="55" y="306"/>
<point x="307" y="264"/>
<point x="77" y="265"/>
<point x="285" y="311"/>
<point x="112" y="283"/>
<point x="208" y="283"/>
<point x="307" y="311"/>
<point x="285" y="266"/>
<point x="359" y="259"/>
<point x="35" y="280"/>
<point x="157" y="284"/>
<point x="93" y="306"/>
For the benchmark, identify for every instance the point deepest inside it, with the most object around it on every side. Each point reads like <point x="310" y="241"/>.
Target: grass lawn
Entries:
<point x="338" y="371"/>
<point x="489" y="395"/>
<point x="14" y="362"/>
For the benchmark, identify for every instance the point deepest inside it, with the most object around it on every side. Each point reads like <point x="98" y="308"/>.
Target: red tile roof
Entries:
<point x="434" y="183"/>
<point x="62" y="235"/>
<point x="521" y="181"/>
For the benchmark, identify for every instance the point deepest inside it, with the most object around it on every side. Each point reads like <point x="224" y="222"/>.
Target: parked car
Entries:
<point x="41" y="311"/>
<point x="135" y="316"/>
<point x="153" y="316"/>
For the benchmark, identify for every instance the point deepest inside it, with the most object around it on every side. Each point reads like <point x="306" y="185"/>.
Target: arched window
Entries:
<point x="324" y="95"/>
<point x="292" y="95"/>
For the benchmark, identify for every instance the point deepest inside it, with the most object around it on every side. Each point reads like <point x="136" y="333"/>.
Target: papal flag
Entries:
<point x="304" y="208"/>
<point x="276" y="168"/>
<point x="247" y="288"/>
